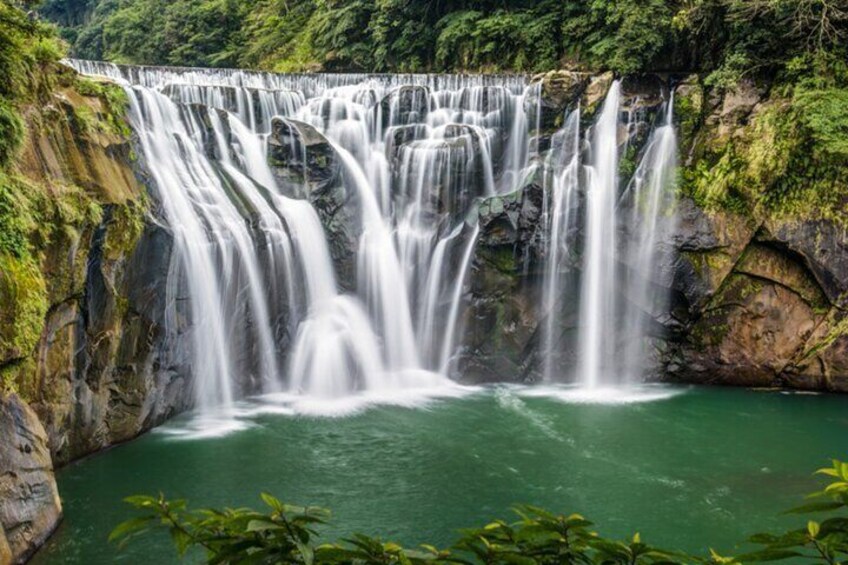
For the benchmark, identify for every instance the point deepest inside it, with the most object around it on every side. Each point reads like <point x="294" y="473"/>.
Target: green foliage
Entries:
<point x="817" y="542"/>
<point x="115" y="102"/>
<point x="512" y="40"/>
<point x="276" y="35"/>
<point x="182" y="32"/>
<point x="11" y="132"/>
<point x="126" y="224"/>
<point x="403" y="40"/>
<point x="23" y="305"/>
<point x="725" y="39"/>
<point x="288" y="534"/>
<point x="824" y="114"/>
<point x="26" y="47"/>
<point x="340" y="32"/>
<point x="622" y="36"/>
<point x="17" y="219"/>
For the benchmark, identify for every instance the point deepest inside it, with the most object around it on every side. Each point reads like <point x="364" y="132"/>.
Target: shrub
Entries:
<point x="288" y="534"/>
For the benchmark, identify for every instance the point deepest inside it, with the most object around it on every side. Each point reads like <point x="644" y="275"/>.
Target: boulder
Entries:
<point x="30" y="508"/>
<point x="405" y="105"/>
<point x="558" y="91"/>
<point x="595" y="92"/>
<point x="505" y="283"/>
<point x="306" y="166"/>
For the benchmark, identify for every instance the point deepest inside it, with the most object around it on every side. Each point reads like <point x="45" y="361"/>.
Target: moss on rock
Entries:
<point x="788" y="160"/>
<point x="125" y="226"/>
<point x="23" y="305"/>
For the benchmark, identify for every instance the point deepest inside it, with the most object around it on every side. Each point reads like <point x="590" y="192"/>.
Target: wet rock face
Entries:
<point x="558" y="91"/>
<point x="758" y="323"/>
<point x="448" y="172"/>
<point x="306" y="166"/>
<point x="502" y="318"/>
<point x="231" y="99"/>
<point x="405" y="105"/>
<point x="301" y="158"/>
<point x="30" y="508"/>
<point x="757" y="303"/>
<point x="105" y="370"/>
<point x="759" y="299"/>
<point x="823" y="245"/>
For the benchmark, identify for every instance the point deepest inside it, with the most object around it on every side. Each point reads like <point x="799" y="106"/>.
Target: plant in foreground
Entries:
<point x="288" y="534"/>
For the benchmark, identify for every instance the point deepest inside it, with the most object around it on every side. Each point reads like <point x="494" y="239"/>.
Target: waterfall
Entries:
<point x="618" y="292"/>
<point x="266" y="310"/>
<point x="651" y="199"/>
<point x="274" y="292"/>
<point x="560" y="218"/>
<point x="598" y="293"/>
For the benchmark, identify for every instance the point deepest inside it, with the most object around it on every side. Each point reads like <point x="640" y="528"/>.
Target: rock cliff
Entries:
<point x="86" y="358"/>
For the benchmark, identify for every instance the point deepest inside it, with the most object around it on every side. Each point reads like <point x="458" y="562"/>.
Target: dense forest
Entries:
<point x="726" y="38"/>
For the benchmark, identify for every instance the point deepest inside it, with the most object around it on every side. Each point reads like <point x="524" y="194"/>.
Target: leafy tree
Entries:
<point x="341" y="33"/>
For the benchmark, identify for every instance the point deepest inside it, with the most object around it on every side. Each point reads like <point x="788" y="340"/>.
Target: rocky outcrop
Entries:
<point x="558" y="91"/>
<point x="103" y="370"/>
<point x="502" y="317"/>
<point x="759" y="292"/>
<point x="759" y="309"/>
<point x="30" y="508"/>
<point x="306" y="166"/>
<point x="99" y="366"/>
<point x="405" y="105"/>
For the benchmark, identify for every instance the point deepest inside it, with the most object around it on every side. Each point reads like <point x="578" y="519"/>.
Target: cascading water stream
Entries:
<point x="614" y="302"/>
<point x="651" y="199"/>
<point x="596" y="344"/>
<point x="255" y="260"/>
<point x="414" y="156"/>
<point x="560" y="218"/>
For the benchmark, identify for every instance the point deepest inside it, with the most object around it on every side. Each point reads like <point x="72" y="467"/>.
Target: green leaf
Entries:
<point x="815" y="507"/>
<point x="306" y="552"/>
<point x="768" y="555"/>
<point x="181" y="539"/>
<point x="131" y="526"/>
<point x="262" y="526"/>
<point x="271" y="501"/>
<point x="141" y="501"/>
<point x="813" y="528"/>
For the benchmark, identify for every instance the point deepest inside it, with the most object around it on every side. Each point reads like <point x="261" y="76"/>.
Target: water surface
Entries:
<point x="687" y="468"/>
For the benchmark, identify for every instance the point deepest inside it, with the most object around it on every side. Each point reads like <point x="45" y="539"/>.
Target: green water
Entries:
<point x="700" y="469"/>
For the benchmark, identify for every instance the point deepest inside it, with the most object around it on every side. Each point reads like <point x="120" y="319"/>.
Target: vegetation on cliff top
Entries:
<point x="25" y="46"/>
<point x="728" y="38"/>
<point x="288" y="534"/>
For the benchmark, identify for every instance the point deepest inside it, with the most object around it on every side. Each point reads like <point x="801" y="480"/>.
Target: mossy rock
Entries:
<point x="23" y="305"/>
<point x="123" y="230"/>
